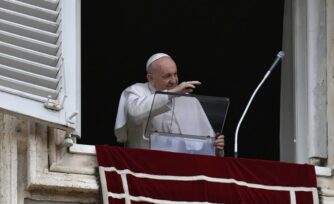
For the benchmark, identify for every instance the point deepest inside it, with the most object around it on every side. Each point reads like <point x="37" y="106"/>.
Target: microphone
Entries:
<point x="279" y="56"/>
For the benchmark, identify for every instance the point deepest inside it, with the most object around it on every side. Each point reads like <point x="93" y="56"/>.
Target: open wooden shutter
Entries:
<point x="40" y="60"/>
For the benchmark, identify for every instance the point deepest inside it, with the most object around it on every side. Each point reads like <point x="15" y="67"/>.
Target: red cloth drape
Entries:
<point x="149" y="176"/>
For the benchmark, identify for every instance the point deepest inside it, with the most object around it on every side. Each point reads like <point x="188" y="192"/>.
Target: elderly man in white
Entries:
<point x="136" y="101"/>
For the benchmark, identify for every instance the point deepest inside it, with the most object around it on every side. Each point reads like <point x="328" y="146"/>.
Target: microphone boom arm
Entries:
<point x="280" y="55"/>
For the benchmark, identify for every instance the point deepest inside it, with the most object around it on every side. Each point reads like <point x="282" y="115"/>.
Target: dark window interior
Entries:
<point x="227" y="45"/>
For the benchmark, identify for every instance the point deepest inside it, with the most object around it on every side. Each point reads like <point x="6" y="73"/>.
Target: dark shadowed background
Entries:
<point x="227" y="45"/>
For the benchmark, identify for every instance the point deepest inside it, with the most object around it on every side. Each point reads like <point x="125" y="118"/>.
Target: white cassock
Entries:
<point x="180" y="115"/>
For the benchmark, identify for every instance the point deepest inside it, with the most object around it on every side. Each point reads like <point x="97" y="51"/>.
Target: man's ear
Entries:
<point x="149" y="77"/>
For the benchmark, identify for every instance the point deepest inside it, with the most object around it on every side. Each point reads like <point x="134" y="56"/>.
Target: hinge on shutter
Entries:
<point x="70" y="118"/>
<point x="52" y="104"/>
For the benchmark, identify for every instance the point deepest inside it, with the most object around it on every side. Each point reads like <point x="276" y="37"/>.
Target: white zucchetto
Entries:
<point x="154" y="58"/>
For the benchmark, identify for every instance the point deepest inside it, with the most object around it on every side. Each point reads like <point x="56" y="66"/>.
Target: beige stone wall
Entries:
<point x="36" y="167"/>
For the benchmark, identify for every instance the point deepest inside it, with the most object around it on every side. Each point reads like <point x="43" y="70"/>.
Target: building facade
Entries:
<point x="40" y="161"/>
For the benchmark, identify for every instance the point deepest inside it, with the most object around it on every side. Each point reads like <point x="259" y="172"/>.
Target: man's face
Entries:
<point x="164" y="74"/>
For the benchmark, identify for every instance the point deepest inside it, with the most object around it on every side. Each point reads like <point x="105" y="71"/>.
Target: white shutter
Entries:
<point x="40" y="60"/>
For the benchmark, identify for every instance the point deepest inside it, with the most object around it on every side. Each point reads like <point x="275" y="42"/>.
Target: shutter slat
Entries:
<point x="29" y="43"/>
<point x="29" y="21"/>
<point x="48" y="4"/>
<point x="28" y="54"/>
<point x="28" y="66"/>
<point x="28" y="77"/>
<point x="30" y="9"/>
<point x="29" y="32"/>
<point x="28" y="88"/>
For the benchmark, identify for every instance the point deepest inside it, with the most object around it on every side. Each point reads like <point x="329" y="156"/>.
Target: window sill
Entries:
<point x="90" y="150"/>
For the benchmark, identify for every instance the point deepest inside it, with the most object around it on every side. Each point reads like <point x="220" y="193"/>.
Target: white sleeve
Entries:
<point x="140" y="107"/>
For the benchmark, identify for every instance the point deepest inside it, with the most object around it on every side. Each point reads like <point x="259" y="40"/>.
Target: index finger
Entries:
<point x="194" y="82"/>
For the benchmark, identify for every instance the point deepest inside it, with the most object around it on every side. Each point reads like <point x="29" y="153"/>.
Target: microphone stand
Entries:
<point x="280" y="55"/>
